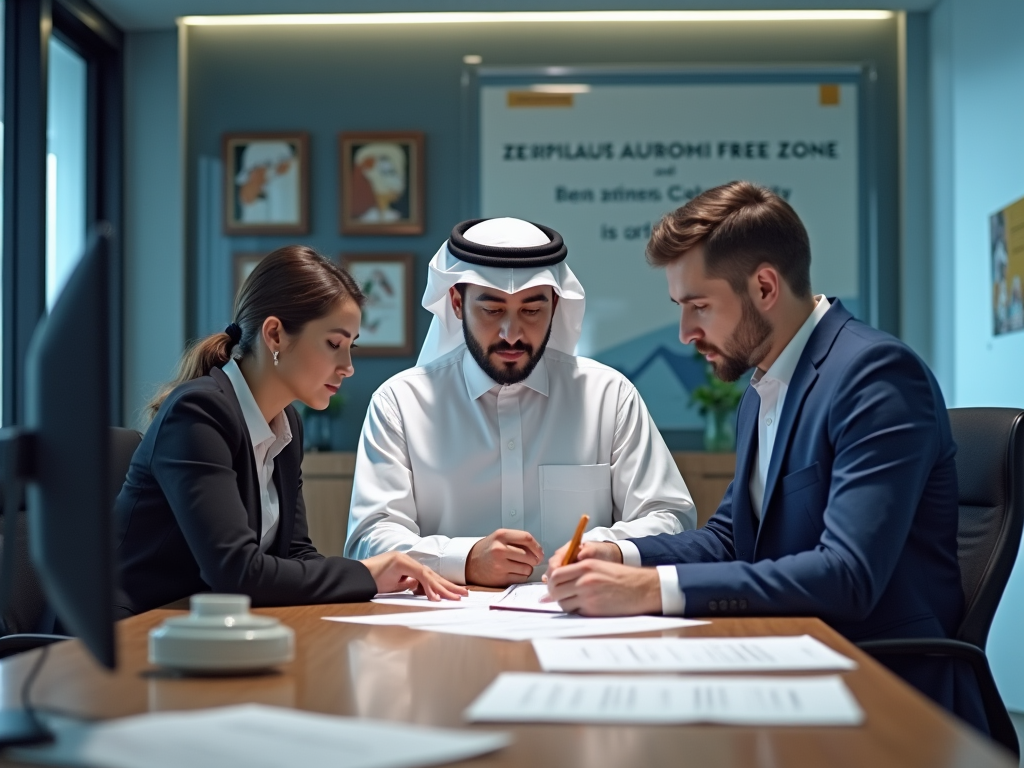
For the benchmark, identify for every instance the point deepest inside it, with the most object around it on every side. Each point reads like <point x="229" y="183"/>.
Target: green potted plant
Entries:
<point x="317" y="425"/>
<point x="717" y="400"/>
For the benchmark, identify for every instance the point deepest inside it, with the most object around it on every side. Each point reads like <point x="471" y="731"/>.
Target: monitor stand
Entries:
<point x="19" y="727"/>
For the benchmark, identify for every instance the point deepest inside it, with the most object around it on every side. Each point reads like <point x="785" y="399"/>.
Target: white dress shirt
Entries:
<point x="268" y="440"/>
<point x="447" y="456"/>
<point x="771" y="386"/>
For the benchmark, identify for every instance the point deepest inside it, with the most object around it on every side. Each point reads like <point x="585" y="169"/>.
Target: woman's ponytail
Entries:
<point x="199" y="359"/>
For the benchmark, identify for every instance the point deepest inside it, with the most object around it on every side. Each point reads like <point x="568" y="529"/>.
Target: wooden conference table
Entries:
<point x="400" y="674"/>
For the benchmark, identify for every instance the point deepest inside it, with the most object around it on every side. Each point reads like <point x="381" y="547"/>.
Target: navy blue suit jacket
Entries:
<point x="859" y="523"/>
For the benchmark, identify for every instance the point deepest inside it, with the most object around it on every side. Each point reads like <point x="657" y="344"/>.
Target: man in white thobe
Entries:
<point x="485" y="456"/>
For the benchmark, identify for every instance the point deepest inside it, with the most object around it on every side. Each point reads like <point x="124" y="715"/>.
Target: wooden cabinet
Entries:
<point x="707" y="475"/>
<point x="327" y="489"/>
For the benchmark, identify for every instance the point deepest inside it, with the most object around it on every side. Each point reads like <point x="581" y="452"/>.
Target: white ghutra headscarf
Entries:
<point x="508" y="255"/>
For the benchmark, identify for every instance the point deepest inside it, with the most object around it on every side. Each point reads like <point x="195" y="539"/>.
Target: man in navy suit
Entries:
<point x="844" y="502"/>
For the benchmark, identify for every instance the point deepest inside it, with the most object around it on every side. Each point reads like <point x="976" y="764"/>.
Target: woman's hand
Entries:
<point x="396" y="571"/>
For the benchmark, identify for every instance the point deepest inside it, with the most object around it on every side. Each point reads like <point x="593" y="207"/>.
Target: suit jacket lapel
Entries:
<point x="253" y="506"/>
<point x="806" y="373"/>
<point x="746" y="440"/>
<point x="803" y="379"/>
<point x="286" y="479"/>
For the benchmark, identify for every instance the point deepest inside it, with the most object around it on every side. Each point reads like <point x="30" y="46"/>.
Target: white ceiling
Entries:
<point x="161" y="14"/>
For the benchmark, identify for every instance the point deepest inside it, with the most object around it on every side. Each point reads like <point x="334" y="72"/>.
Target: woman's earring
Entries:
<point x="276" y="353"/>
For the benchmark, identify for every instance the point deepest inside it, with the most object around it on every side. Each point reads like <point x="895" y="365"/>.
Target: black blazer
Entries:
<point x="188" y="518"/>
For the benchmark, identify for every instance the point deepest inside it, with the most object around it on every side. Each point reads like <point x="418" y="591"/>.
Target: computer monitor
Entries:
<point x="67" y="413"/>
<point x="61" y="456"/>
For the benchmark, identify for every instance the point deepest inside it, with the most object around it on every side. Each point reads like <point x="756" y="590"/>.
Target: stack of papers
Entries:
<point x="515" y="625"/>
<point x="525" y="597"/>
<point x="256" y="736"/>
<point x="518" y="597"/>
<point x="522" y="697"/>
<point x="409" y="600"/>
<point x="690" y="654"/>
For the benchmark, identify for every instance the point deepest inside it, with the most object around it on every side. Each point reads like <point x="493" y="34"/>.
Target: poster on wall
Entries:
<point x="602" y="162"/>
<point x="244" y="263"/>
<point x="265" y="181"/>
<point x="386" y="329"/>
<point x="381" y="179"/>
<point x="1007" y="254"/>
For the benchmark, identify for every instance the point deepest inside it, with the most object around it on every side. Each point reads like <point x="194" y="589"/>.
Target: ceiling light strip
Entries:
<point x="530" y="17"/>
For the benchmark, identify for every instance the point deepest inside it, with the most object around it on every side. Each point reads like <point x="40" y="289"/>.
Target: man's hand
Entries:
<point x="505" y="557"/>
<point x="598" y="588"/>
<point x="589" y="550"/>
<point x="396" y="571"/>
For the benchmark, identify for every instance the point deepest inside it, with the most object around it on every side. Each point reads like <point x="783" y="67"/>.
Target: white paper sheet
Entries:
<point x="524" y="697"/>
<point x="474" y="599"/>
<point x="258" y="736"/>
<point x="690" y="654"/>
<point x="518" y="625"/>
<point x="560" y="625"/>
<point x="525" y="597"/>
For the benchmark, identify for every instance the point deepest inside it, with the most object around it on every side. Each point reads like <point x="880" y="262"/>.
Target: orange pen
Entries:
<point x="574" y="545"/>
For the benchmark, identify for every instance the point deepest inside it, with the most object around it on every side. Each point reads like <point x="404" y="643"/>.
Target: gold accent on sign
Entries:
<point x="828" y="95"/>
<point x="539" y="99"/>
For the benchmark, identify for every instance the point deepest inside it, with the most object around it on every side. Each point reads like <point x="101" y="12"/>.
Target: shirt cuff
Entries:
<point x="673" y="601"/>
<point x="630" y="553"/>
<point x="454" y="556"/>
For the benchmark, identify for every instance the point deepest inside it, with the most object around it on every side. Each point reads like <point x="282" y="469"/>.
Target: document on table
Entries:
<point x="527" y="697"/>
<point x="474" y="599"/>
<point x="525" y="597"/>
<point x="689" y="654"/>
<point x="256" y="736"/>
<point x="517" y="625"/>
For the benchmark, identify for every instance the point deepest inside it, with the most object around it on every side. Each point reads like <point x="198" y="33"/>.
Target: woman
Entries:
<point x="213" y="498"/>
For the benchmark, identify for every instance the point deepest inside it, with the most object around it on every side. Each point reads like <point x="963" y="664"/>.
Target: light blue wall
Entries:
<point x="943" y="306"/>
<point x="978" y="109"/>
<point x="916" y="300"/>
<point x="988" y="173"/>
<point x="330" y="79"/>
<point x="154" y="295"/>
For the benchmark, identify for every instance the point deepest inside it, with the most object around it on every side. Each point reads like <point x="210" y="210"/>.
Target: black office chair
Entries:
<point x="990" y="472"/>
<point x="28" y="622"/>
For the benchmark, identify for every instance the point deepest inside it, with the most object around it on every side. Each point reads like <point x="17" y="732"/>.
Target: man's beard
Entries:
<point x="505" y="373"/>
<point x="748" y="345"/>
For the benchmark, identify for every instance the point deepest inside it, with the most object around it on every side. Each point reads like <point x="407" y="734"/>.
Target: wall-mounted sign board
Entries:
<point x="601" y="156"/>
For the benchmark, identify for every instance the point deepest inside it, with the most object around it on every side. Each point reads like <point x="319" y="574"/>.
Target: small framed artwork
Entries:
<point x="381" y="183"/>
<point x="266" y="178"/>
<point x="386" y="280"/>
<point x="245" y="263"/>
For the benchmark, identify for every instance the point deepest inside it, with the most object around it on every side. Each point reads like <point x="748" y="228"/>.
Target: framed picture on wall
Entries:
<point x="387" y="325"/>
<point x="245" y="263"/>
<point x="381" y="183"/>
<point x="266" y="178"/>
<point x="1006" y="231"/>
